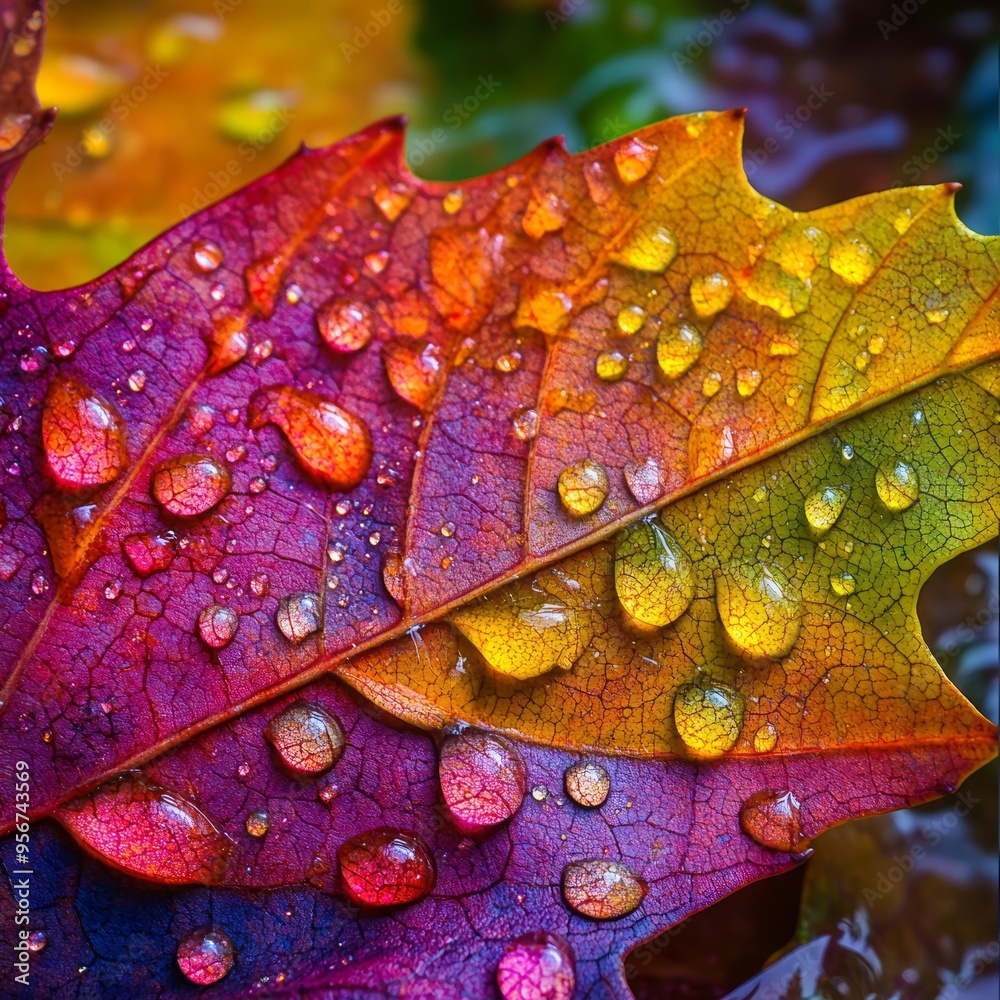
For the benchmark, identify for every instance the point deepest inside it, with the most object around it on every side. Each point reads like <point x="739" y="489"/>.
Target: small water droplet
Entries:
<point x="525" y="423"/>
<point x="509" y="362"/>
<point x="483" y="779"/>
<point x="452" y="202"/>
<point x="711" y="384"/>
<point x="539" y="793"/>
<point x="852" y="259"/>
<point x="587" y="783"/>
<point x="897" y="485"/>
<point x="709" y="717"/>
<point x="298" y="616"/>
<point x="206" y="955"/>
<point x="113" y="590"/>
<point x="654" y="578"/>
<point x="825" y="506"/>
<point x="842" y="584"/>
<point x="260" y="584"/>
<point x="847" y="453"/>
<point x="308" y="739"/>
<point x="392" y="199"/>
<point x="37" y="940"/>
<point x="258" y="822"/>
<point x="634" y="159"/>
<point x="545" y="213"/>
<point x="650" y="247"/>
<point x="677" y="349"/>
<point x="758" y="608"/>
<point x="217" y="625"/>
<point x="710" y="293"/>
<point x="414" y="368"/>
<point x="330" y="443"/>
<point x="188" y="485"/>
<point x="137" y="380"/>
<point x="645" y="480"/>
<point x="747" y="381"/>
<point x="544" y="309"/>
<point x="630" y="319"/>
<point x="583" y="487"/>
<point x="386" y="867"/>
<point x="611" y="366"/>
<point x="83" y="436"/>
<point x="228" y="344"/>
<point x="602" y="889"/>
<point x="774" y="820"/>
<point x="377" y="261"/>
<point x="537" y="966"/>
<point x="206" y="255"/>
<point x="766" y="738"/>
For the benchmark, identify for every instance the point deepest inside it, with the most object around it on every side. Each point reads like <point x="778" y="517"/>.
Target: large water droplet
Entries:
<point x="852" y="259"/>
<point x="384" y="867"/>
<point x="528" y="628"/>
<point x="897" y="485"/>
<point x="544" y="309"/>
<point x="772" y="286"/>
<point x="824" y="507"/>
<point x="634" y="159"/>
<point x="545" y="213"/>
<point x="630" y="319"/>
<point x="330" y="443"/>
<point x="307" y="738"/>
<point x="710" y="293"/>
<point x="188" y="485"/>
<point x="147" y="831"/>
<point x="774" y="820"/>
<point x="414" y="369"/>
<point x="587" y="783"/>
<point x="537" y="966"/>
<point x="483" y="779"/>
<point x="709" y="717"/>
<point x="611" y="366"/>
<point x="298" y="616"/>
<point x="583" y="487"/>
<point x="654" y="578"/>
<point x="602" y="889"/>
<point x="644" y="480"/>
<point x="217" y="625"/>
<point x="206" y="955"/>
<point x="677" y="349"/>
<point x="148" y="553"/>
<point x="650" y="247"/>
<point x="345" y="325"/>
<point x="759" y="608"/>
<point x="83" y="435"/>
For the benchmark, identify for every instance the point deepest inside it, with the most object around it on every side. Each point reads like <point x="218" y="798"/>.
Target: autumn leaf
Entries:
<point x="606" y="456"/>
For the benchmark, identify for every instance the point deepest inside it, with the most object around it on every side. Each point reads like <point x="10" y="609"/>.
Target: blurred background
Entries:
<point x="165" y="107"/>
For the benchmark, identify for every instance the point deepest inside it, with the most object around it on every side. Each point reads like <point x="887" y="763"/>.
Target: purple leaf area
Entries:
<point x="282" y="897"/>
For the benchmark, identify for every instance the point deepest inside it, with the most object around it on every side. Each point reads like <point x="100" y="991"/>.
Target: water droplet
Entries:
<point x="529" y="627"/>
<point x="936" y="314"/>
<point x="785" y="344"/>
<point x="206" y="255"/>
<point x="307" y="738"/>
<point x="611" y="366"/>
<point x="677" y="349"/>
<point x="509" y="362"/>
<point x="602" y="889"/>
<point x="539" y="793"/>
<point x="206" y="955"/>
<point x="376" y="262"/>
<point x="852" y="259"/>
<point x="217" y="625"/>
<point x="711" y="384"/>
<point x="298" y="616"/>
<point x="228" y="344"/>
<point x="775" y="288"/>
<point x="847" y="453"/>
<point x="258" y="822"/>
<point x="385" y="867"/>
<point x="330" y="443"/>
<point x="83" y="435"/>
<point x="345" y="325"/>
<point x="824" y="507"/>
<point x="392" y="199"/>
<point x="113" y="590"/>
<point x="544" y="309"/>
<point x="414" y="368"/>
<point x="842" y="584"/>
<point x="453" y="201"/>
<point x="263" y="278"/>
<point x="537" y="966"/>
<point x="650" y="248"/>
<point x="545" y="213"/>
<point x="137" y="380"/>
<point x="876" y="343"/>
<point x="39" y="583"/>
<point x="654" y="578"/>
<point x="747" y="381"/>
<point x="645" y="480"/>
<point x="630" y="319"/>
<point x="188" y="485"/>
<point x="710" y="293"/>
<point x="37" y="940"/>
<point x="587" y="783"/>
<point x="483" y="779"/>
<point x="758" y="608"/>
<point x="634" y="159"/>
<point x="766" y="738"/>
<point x="774" y="820"/>
<point x="260" y="584"/>
<point x="897" y="485"/>
<point x="525" y="423"/>
<point x="709" y="717"/>
<point x="147" y="831"/>
<point x="583" y="487"/>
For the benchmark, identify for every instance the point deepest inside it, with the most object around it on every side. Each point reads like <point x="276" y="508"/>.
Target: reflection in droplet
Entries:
<point x="650" y="247"/>
<point x="747" y="381"/>
<point x="308" y="739"/>
<point x="385" y="867"/>
<point x="602" y="889"/>
<point x="525" y="423"/>
<point x="414" y="368"/>
<point x="228" y="344"/>
<point x="611" y="366"/>
<point x="842" y="584"/>
<point x="766" y="738"/>
<point x="630" y="319"/>
<point x="824" y="507"/>
<point x="710" y="293"/>
<point x="644" y="480"/>
<point x="483" y="779"/>
<point x="206" y="255"/>
<point x="634" y="158"/>
<point x="709" y="717"/>
<point x="759" y="608"/>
